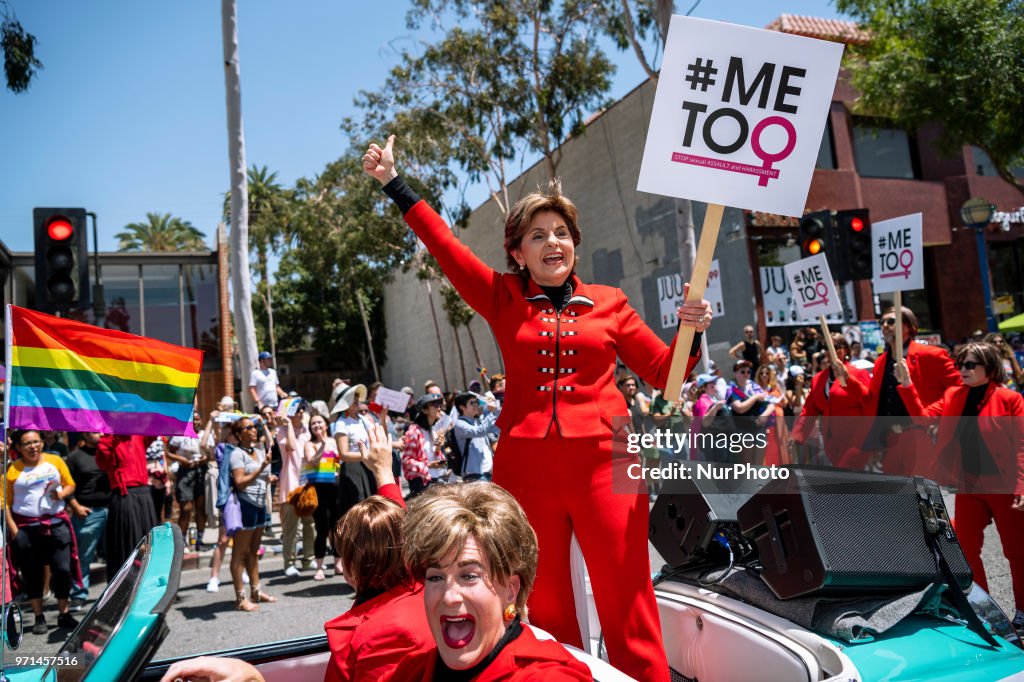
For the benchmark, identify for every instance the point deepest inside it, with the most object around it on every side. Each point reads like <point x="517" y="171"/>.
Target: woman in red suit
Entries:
<point x="560" y="338"/>
<point x="476" y="554"/>
<point x="842" y="410"/>
<point x="981" y="449"/>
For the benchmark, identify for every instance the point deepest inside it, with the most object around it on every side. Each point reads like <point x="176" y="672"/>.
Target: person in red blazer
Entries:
<point x="476" y="554"/>
<point x="387" y="623"/>
<point x="840" y="408"/>
<point x="981" y="449"/>
<point x="907" y="448"/>
<point x="560" y="338"/>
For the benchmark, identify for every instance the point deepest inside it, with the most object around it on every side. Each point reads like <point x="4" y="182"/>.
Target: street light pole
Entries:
<point x="977" y="214"/>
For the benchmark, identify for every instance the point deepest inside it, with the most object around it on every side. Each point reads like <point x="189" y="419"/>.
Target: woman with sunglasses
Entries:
<point x="251" y="478"/>
<point x="560" y="338"/>
<point x="748" y="400"/>
<point x="981" y="450"/>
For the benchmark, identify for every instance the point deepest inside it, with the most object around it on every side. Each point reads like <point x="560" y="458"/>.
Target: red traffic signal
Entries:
<point x="59" y="229"/>
<point x="62" y="259"/>
<point x="856" y="224"/>
<point x="853" y="233"/>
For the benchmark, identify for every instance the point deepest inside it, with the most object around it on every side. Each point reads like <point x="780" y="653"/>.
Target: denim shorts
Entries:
<point x="253" y="517"/>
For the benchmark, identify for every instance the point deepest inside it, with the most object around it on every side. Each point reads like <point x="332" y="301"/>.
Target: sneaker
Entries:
<point x="67" y="621"/>
<point x="292" y="572"/>
<point x="245" y="578"/>
<point x="77" y="605"/>
<point x="213" y="585"/>
<point x="40" y="626"/>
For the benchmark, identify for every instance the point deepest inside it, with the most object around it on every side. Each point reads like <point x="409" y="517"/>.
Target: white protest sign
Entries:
<point x="670" y="295"/>
<point x="396" y="401"/>
<point x="813" y="288"/>
<point x="896" y="254"/>
<point x="779" y="306"/>
<point x="738" y="115"/>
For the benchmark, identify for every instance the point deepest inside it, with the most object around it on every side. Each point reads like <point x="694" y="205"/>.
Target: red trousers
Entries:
<point x="565" y="486"/>
<point x="973" y="514"/>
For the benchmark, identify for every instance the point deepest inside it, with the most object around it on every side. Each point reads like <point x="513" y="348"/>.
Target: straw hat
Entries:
<point x="344" y="396"/>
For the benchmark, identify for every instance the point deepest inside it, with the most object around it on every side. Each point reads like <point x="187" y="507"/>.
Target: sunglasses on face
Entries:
<point x="250" y="426"/>
<point x="889" y="322"/>
<point x="743" y="371"/>
<point x="968" y="364"/>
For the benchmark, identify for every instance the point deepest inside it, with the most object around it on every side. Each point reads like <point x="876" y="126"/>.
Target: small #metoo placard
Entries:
<point x="896" y="254"/>
<point x="738" y="116"/>
<point x="813" y="289"/>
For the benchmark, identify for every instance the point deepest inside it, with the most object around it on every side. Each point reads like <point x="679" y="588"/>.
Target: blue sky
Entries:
<point x="127" y="116"/>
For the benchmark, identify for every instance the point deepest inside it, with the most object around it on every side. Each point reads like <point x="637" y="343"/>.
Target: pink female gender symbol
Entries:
<point x="910" y="261"/>
<point x="769" y="159"/>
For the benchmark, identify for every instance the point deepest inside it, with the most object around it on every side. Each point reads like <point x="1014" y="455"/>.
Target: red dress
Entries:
<point x="555" y="452"/>
<point x="843" y="422"/>
<point x="524" y="658"/>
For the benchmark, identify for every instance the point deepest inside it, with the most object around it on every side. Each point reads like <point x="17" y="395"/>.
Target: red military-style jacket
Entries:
<point x="560" y="368"/>
<point x="1000" y="422"/>
<point x="842" y="412"/>
<point x="525" y="658"/>
<point x="371" y="639"/>
<point x="931" y="371"/>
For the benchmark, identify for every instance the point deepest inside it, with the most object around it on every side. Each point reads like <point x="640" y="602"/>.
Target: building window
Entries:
<point x="883" y="152"/>
<point x="202" y="312"/>
<point x="122" y="298"/>
<point x="983" y="165"/>
<point x="826" y="151"/>
<point x="162" y="297"/>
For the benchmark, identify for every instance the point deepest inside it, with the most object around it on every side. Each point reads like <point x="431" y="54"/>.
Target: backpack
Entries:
<point x="456" y="458"/>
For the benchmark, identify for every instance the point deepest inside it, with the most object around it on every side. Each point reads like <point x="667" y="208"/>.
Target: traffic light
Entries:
<point x="853" y="232"/>
<point x="816" y="236"/>
<point x="62" y="259"/>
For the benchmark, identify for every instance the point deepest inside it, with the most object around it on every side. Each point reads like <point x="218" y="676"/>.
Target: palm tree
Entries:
<point x="161" y="232"/>
<point x="269" y="211"/>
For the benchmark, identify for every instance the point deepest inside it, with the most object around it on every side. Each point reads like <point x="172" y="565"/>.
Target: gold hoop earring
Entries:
<point x="510" y="612"/>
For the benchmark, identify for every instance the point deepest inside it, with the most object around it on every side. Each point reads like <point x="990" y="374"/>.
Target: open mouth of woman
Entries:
<point x="458" y="631"/>
<point x="554" y="259"/>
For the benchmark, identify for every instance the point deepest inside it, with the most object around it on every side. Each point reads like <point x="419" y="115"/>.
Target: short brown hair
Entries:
<point x="522" y="213"/>
<point x="368" y="540"/>
<point x="909" y="318"/>
<point x="989" y="356"/>
<point x="495" y="378"/>
<point x="840" y="341"/>
<point x="442" y="518"/>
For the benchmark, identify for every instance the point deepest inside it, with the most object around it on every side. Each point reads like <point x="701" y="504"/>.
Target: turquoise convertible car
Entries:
<point x="710" y="637"/>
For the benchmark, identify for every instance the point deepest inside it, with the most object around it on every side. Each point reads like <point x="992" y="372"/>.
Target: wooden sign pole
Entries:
<point x="833" y="357"/>
<point x="698" y="282"/>
<point x="898" y="342"/>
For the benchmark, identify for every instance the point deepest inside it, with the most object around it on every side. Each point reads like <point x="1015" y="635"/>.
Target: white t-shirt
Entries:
<point x="187" y="447"/>
<point x="30" y="487"/>
<point x="355" y="429"/>
<point x="265" y="381"/>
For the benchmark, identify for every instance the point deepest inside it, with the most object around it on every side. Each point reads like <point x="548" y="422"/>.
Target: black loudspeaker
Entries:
<point x="683" y="523"/>
<point x="832" y="531"/>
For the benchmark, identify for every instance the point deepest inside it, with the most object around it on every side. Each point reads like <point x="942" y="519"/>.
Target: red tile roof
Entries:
<point x="816" y="27"/>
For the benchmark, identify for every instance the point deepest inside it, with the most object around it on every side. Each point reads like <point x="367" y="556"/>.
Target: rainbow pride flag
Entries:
<point x="65" y="375"/>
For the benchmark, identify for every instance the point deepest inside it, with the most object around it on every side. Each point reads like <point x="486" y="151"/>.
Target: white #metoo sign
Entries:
<point x="738" y="116"/>
<point x="813" y="289"/>
<point x="896" y="254"/>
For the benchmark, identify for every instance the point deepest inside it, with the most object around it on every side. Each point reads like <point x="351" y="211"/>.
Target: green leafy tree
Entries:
<point x="957" y="62"/>
<point x="161" y="232"/>
<point x="20" y="62"/>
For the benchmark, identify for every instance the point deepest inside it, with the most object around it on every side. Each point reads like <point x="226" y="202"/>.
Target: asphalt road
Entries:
<point x="201" y="622"/>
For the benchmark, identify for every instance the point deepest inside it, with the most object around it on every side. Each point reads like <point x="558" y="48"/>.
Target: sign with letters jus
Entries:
<point x="738" y="116"/>
<point x="813" y="289"/>
<point x="670" y="295"/>
<point x="896" y="254"/>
